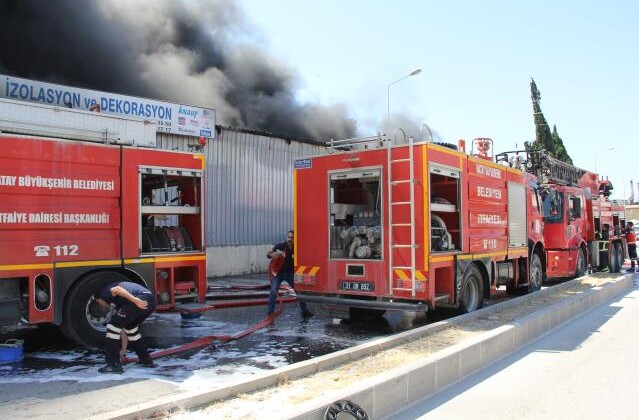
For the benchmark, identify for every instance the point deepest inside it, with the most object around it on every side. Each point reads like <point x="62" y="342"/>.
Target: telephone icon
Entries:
<point x="41" y="250"/>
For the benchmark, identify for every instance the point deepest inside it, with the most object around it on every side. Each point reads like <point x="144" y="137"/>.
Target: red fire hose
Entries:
<point x="207" y="340"/>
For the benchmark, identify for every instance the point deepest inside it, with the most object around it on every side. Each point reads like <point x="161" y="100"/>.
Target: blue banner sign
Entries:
<point x="171" y="118"/>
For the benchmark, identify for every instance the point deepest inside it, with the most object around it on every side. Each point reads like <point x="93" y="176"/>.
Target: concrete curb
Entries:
<point x="394" y="390"/>
<point x="391" y="391"/>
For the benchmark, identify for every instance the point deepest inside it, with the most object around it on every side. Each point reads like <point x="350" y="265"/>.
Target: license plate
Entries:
<point x="357" y="286"/>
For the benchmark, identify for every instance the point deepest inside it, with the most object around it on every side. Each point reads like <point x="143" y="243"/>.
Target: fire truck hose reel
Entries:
<point x="442" y="240"/>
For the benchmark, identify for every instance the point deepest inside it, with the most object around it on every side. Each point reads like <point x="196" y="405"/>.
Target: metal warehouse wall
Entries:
<point x="249" y="184"/>
<point x="250" y="187"/>
<point x="174" y="142"/>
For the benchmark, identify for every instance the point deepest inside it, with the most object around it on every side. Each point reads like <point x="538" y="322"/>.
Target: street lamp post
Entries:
<point x="412" y="73"/>
<point x="601" y="151"/>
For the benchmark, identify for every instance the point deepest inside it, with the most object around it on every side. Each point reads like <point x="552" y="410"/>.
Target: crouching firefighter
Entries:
<point x="133" y="304"/>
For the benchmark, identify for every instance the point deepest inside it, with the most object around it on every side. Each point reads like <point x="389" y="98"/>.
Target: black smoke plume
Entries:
<point x="195" y="52"/>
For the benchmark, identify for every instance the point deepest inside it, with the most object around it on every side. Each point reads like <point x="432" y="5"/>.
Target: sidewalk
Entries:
<point x="588" y="368"/>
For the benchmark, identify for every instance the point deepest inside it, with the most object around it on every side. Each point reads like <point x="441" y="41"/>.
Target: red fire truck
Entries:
<point x="76" y="215"/>
<point x="582" y="226"/>
<point x="413" y="226"/>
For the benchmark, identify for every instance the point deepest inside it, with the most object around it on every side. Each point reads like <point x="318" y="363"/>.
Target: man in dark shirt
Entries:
<point x="133" y="303"/>
<point x="281" y="267"/>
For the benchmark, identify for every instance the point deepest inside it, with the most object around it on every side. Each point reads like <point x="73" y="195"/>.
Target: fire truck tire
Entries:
<point x="471" y="295"/>
<point x="580" y="269"/>
<point x="536" y="273"/>
<point x="78" y="323"/>
<point x="612" y="259"/>
<point x="619" y="256"/>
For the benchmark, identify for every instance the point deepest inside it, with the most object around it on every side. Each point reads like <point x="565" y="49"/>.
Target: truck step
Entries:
<point x="401" y="224"/>
<point x="400" y="203"/>
<point x="400" y="160"/>
<point x="404" y="246"/>
<point x="402" y="289"/>
<point x="399" y="267"/>
<point x="442" y="297"/>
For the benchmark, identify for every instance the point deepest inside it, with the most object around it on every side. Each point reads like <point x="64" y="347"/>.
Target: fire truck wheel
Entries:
<point x="536" y="273"/>
<point x="612" y="259"/>
<point x="619" y="256"/>
<point x="80" y="322"/>
<point x="580" y="270"/>
<point x="471" y="296"/>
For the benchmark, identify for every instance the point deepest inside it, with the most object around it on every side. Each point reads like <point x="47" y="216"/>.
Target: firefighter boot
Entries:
<point x="111" y="369"/>
<point x="146" y="362"/>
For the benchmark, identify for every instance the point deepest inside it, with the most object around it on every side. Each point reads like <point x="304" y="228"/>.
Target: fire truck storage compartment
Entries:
<point x="517" y="225"/>
<point x="176" y="283"/>
<point x="169" y="209"/>
<point x="355" y="214"/>
<point x="445" y="193"/>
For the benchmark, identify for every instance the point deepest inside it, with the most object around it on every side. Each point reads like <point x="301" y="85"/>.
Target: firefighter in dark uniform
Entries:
<point x="133" y="303"/>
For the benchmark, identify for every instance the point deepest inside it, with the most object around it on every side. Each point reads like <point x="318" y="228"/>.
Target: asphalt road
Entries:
<point x="60" y="379"/>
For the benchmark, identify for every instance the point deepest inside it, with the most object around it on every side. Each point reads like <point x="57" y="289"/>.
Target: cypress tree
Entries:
<point x="560" y="149"/>
<point x="544" y="139"/>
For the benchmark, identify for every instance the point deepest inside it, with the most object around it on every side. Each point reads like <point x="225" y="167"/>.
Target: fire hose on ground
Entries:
<point x="205" y="341"/>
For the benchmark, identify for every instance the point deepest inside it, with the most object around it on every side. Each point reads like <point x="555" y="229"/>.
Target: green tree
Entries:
<point x="560" y="149"/>
<point x="544" y="139"/>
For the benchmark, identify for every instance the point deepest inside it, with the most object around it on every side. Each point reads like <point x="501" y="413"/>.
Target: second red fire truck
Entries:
<point x="421" y="226"/>
<point x="414" y="226"/>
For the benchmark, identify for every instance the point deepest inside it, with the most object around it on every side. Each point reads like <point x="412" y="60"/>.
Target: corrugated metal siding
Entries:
<point x="250" y="187"/>
<point x="249" y="184"/>
<point x="175" y="142"/>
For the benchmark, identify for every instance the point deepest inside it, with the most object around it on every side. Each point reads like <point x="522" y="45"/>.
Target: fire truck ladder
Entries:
<point x="548" y="169"/>
<point x="357" y="143"/>
<point x="394" y="165"/>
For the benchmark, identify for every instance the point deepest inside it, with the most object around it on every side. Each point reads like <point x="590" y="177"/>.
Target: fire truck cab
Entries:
<point x="582" y="227"/>
<point x="382" y="224"/>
